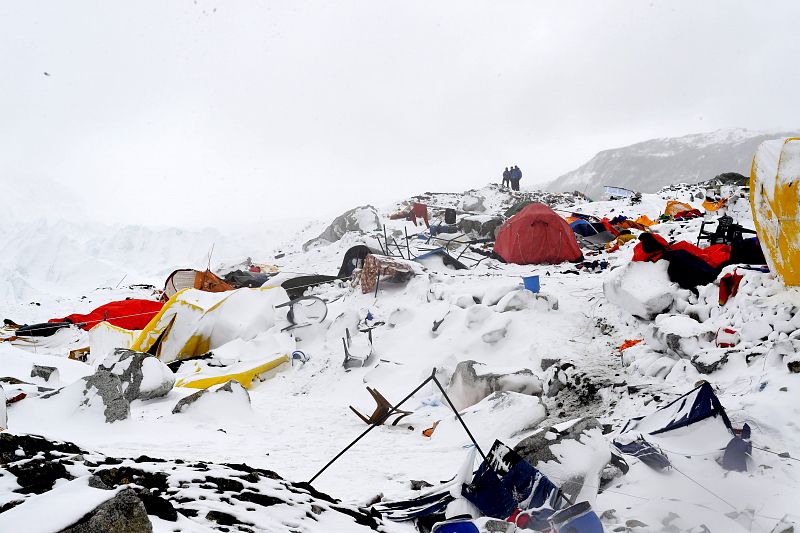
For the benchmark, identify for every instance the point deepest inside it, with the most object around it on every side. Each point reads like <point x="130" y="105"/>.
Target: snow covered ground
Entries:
<point x="299" y="419"/>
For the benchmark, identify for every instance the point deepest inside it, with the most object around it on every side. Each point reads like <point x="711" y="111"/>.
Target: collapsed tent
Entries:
<point x="194" y="279"/>
<point x="694" y="406"/>
<point x="193" y="322"/>
<point x="689" y="265"/>
<point x="537" y="235"/>
<point x="775" y="200"/>
<point x="128" y="314"/>
<point x="675" y="207"/>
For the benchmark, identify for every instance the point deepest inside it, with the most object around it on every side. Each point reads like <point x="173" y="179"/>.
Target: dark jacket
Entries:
<point x="516" y="174"/>
<point x="506" y="175"/>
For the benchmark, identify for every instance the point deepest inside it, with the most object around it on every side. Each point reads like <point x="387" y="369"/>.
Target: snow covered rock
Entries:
<point x="477" y="315"/>
<point x="124" y="513"/>
<point x="361" y="219"/>
<point x="679" y="335"/>
<point x="521" y="299"/>
<point x="223" y="399"/>
<point x="756" y="330"/>
<point x="641" y="288"/>
<point x="473" y="203"/>
<point x="575" y="453"/>
<point x="99" y="391"/>
<point x="143" y="376"/>
<point x="3" y="410"/>
<point x="471" y="382"/>
<point x="481" y="225"/>
<point x="49" y="374"/>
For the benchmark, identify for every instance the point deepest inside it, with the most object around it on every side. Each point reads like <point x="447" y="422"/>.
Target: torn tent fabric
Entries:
<point x="674" y="207"/>
<point x="583" y="228"/>
<point x="127" y="314"/>
<point x="694" y="406"/>
<point x="510" y="483"/>
<point x="729" y="286"/>
<point x="652" y="247"/>
<point x="645" y="452"/>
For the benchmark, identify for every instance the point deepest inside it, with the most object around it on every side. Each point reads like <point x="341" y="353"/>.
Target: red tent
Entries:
<point x="128" y="314"/>
<point x="537" y="235"/>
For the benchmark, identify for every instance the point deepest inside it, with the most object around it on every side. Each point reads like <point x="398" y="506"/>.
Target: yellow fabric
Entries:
<point x="775" y="200"/>
<point x="204" y="380"/>
<point x="645" y="221"/>
<point x="708" y="205"/>
<point x="190" y="321"/>
<point x="674" y="207"/>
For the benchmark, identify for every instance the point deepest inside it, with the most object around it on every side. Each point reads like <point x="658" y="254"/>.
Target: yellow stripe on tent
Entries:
<point x="774" y="198"/>
<point x="144" y="341"/>
<point x="244" y="377"/>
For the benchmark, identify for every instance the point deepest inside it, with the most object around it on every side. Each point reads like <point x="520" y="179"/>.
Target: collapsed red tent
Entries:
<point x="128" y="314"/>
<point x="537" y="235"/>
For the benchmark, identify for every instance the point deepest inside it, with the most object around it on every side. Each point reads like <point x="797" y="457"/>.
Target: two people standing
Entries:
<point x="512" y="176"/>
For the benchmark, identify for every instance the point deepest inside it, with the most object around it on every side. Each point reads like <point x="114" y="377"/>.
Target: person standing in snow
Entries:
<point x="516" y="175"/>
<point x="506" y="177"/>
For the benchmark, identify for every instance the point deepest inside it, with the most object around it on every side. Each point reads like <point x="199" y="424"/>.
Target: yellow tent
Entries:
<point x="194" y="322"/>
<point x="245" y="372"/>
<point x="674" y="207"/>
<point x="774" y="180"/>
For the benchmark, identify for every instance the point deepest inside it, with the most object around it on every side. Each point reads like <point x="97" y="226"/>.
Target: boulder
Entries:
<point x="471" y="382"/>
<point x="679" y="335"/>
<point x="473" y="203"/>
<point x="484" y="226"/>
<point x="360" y="219"/>
<point x="48" y="373"/>
<point x="230" y="395"/>
<point x="105" y="387"/>
<point x="756" y="330"/>
<point x="124" y="513"/>
<point x="143" y="376"/>
<point x="642" y="289"/>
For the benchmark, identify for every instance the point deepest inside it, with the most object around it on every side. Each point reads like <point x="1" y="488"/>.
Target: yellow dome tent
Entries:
<point x="775" y="199"/>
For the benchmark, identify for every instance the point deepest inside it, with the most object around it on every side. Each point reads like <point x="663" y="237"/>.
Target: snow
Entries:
<point x="297" y="420"/>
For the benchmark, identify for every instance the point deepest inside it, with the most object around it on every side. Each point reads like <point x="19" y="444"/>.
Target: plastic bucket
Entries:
<point x="531" y="283"/>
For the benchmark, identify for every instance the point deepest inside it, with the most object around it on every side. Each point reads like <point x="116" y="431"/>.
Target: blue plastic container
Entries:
<point x="531" y="283"/>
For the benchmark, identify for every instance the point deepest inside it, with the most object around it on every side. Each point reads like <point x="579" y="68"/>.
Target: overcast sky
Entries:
<point x="212" y="112"/>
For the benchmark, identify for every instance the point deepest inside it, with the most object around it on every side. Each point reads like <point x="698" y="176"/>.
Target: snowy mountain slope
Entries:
<point x="647" y="166"/>
<point x="299" y="419"/>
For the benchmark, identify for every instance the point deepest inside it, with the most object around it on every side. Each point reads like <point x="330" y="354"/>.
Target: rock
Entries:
<point x="642" y="289"/>
<point x="360" y="219"/>
<point x="679" y="335"/>
<point x="230" y="393"/>
<point x="143" y="376"/>
<point x="473" y="203"/>
<point x="481" y="225"/>
<point x="38" y="475"/>
<point x="708" y="360"/>
<point x="495" y="334"/>
<point x="47" y="373"/>
<point x="471" y="382"/>
<point x="755" y="330"/>
<point x="124" y="513"/>
<point x="3" y="409"/>
<point x="100" y="390"/>
<point x="536" y="448"/>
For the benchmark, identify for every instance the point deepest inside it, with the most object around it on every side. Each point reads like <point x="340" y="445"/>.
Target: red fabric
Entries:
<point x="715" y="255"/>
<point x="640" y="255"/>
<point x="537" y="235"/>
<point x="128" y="314"/>
<point x="729" y="286"/>
<point x="421" y="211"/>
<point x="685" y="215"/>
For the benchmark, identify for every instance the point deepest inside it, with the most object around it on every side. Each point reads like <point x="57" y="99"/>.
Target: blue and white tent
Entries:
<point x="695" y="406"/>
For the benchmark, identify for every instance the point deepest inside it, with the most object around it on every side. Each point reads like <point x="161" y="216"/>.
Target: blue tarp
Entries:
<point x="699" y="404"/>
<point x="578" y="518"/>
<point x="510" y="483"/>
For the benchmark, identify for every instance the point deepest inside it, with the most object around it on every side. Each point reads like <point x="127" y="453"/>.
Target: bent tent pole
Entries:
<point x="395" y="408"/>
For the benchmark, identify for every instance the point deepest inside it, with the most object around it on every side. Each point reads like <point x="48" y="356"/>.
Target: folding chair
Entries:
<point x="383" y="410"/>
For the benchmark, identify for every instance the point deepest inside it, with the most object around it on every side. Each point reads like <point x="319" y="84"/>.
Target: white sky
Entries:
<point x="212" y="112"/>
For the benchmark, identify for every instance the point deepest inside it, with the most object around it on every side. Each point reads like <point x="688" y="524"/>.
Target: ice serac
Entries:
<point x="647" y="166"/>
<point x="642" y="289"/>
<point x="362" y="219"/>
